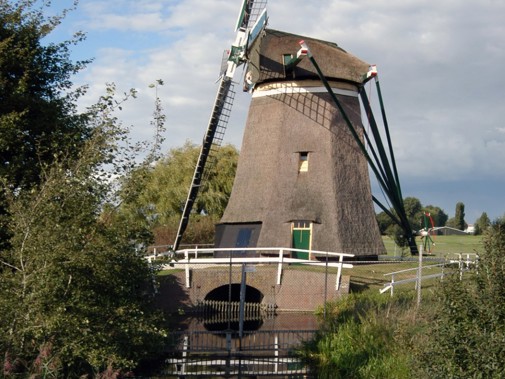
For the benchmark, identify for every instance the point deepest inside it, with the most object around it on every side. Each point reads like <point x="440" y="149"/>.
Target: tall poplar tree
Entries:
<point x="459" y="216"/>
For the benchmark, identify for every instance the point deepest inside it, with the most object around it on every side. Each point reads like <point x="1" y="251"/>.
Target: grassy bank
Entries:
<point x="373" y="276"/>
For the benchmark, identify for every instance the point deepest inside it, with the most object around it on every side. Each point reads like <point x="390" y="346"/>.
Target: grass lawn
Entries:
<point x="444" y="245"/>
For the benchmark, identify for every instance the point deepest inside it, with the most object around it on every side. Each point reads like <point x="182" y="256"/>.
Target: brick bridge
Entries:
<point x="300" y="288"/>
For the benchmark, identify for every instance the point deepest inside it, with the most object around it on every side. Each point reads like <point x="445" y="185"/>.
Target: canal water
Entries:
<point x="222" y="347"/>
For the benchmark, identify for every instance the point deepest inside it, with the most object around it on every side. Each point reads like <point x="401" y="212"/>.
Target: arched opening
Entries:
<point x="222" y="306"/>
<point x="222" y="293"/>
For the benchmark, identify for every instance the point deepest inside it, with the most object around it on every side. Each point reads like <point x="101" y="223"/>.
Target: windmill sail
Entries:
<point x="252" y="13"/>
<point x="383" y="166"/>
<point x="212" y="139"/>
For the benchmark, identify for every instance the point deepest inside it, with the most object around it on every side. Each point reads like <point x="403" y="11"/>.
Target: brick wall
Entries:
<point x="300" y="289"/>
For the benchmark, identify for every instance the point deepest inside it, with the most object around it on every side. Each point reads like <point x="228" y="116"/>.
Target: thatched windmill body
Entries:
<point x="301" y="179"/>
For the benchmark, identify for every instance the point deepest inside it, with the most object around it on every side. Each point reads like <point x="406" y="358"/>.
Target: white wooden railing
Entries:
<point x="464" y="262"/>
<point x="191" y="258"/>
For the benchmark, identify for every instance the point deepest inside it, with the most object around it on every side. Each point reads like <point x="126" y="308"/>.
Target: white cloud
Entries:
<point x="440" y="65"/>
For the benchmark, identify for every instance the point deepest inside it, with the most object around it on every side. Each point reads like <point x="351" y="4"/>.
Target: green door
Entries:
<point x="301" y="240"/>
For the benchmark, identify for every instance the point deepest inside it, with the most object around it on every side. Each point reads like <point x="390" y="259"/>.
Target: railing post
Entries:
<point x="279" y="268"/>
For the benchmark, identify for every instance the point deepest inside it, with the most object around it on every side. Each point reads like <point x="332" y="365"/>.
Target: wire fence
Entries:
<point x="408" y="273"/>
<point x="222" y="354"/>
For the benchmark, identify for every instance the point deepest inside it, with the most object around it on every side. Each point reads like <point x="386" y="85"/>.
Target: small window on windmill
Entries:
<point x="303" y="161"/>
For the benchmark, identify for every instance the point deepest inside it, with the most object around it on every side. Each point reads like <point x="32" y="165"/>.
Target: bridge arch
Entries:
<point x="224" y="292"/>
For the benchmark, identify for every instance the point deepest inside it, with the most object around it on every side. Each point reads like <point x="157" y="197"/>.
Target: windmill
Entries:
<point x="302" y="178"/>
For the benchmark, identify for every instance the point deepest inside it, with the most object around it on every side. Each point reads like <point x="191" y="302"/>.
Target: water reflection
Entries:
<point x="249" y="325"/>
<point x="279" y="321"/>
<point x="266" y="347"/>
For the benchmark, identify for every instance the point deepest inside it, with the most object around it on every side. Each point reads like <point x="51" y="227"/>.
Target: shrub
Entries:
<point x="468" y="331"/>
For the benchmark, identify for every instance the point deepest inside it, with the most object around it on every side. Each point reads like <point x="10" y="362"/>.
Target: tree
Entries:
<point x="37" y="114"/>
<point x="38" y="119"/>
<point x="482" y="223"/>
<point x="384" y="222"/>
<point x="468" y="329"/>
<point x="75" y="292"/>
<point x="414" y="211"/>
<point x="163" y="189"/>
<point x="439" y="216"/>
<point x="460" y="216"/>
<point x="458" y="221"/>
<point x="397" y="234"/>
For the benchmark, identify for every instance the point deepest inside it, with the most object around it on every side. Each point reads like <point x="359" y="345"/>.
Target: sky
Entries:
<point x="440" y="64"/>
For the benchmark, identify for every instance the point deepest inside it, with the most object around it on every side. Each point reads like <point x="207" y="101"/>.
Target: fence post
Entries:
<point x="392" y="283"/>
<point x="184" y="355"/>
<point x="325" y="286"/>
<point x="339" y="271"/>
<point x="460" y="263"/>
<point x="186" y="268"/>
<point x="419" y="275"/>
<point x="276" y="353"/>
<point x="242" y="304"/>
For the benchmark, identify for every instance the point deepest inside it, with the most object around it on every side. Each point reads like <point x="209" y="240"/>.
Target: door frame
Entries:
<point x="303" y="225"/>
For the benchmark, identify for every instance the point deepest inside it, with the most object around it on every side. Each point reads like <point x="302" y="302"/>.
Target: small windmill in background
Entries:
<point x="428" y="233"/>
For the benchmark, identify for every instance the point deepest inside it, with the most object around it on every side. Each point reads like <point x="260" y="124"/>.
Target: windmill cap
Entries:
<point x="335" y="62"/>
